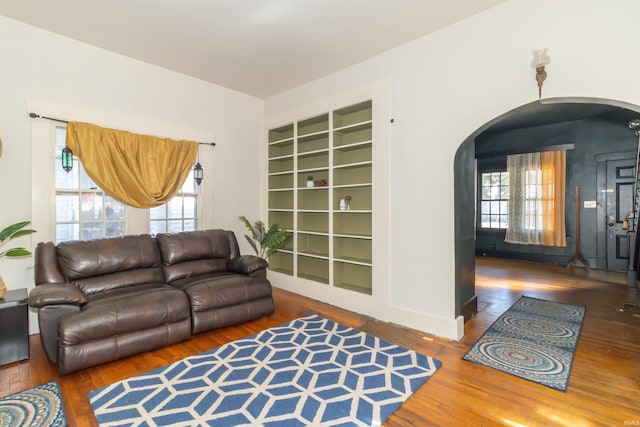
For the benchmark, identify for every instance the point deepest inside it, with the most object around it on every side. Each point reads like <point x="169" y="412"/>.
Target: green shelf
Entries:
<point x="330" y="246"/>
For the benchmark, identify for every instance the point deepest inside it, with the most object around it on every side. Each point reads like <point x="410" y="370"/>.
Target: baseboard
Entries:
<point x="469" y="309"/>
<point x="542" y="258"/>
<point x="378" y="308"/>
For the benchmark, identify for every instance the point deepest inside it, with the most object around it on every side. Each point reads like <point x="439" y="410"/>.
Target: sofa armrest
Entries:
<point x="247" y="264"/>
<point x="56" y="294"/>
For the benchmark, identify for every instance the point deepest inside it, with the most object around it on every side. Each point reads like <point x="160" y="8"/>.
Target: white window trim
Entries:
<point x="43" y="193"/>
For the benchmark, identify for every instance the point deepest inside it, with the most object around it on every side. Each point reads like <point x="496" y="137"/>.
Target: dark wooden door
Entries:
<point x="620" y="196"/>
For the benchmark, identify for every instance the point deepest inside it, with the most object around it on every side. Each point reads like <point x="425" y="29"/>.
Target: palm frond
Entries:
<point x="278" y="238"/>
<point x="266" y="241"/>
<point x="260" y="231"/>
<point x="252" y="243"/>
<point x="247" y="224"/>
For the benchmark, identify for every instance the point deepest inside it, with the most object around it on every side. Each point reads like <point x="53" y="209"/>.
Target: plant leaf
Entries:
<point x="252" y="243"/>
<point x="9" y="231"/>
<point x="247" y="224"/>
<point x="260" y="232"/>
<point x="22" y="233"/>
<point x="277" y="239"/>
<point x="15" y="252"/>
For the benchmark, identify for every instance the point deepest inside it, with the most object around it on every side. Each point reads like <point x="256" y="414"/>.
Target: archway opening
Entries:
<point x="598" y="127"/>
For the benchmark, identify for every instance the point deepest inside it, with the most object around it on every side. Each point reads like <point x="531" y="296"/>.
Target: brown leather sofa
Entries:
<point x="106" y="299"/>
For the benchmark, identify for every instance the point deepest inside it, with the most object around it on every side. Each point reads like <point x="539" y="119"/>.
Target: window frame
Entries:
<point x="480" y="199"/>
<point x="81" y="192"/>
<point x="43" y="200"/>
<point x="196" y="193"/>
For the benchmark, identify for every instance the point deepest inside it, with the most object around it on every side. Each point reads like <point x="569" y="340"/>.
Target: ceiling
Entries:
<point x="265" y="47"/>
<point x="259" y="47"/>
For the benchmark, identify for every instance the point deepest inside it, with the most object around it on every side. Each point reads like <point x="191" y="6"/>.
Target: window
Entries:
<point x="180" y="214"/>
<point x="82" y="210"/>
<point x="494" y="205"/>
<point x="75" y="208"/>
<point x="533" y="212"/>
<point x="536" y="199"/>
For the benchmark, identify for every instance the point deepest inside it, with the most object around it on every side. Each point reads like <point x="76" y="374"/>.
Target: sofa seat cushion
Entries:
<point x="212" y="291"/>
<point x="119" y="293"/>
<point x="124" y="312"/>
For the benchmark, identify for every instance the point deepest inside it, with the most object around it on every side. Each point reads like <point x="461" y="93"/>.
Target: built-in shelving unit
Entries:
<point x="331" y="218"/>
<point x="281" y="191"/>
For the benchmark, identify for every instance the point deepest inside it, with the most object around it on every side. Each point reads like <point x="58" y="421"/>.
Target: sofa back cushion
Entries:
<point x="193" y="253"/>
<point x="98" y="265"/>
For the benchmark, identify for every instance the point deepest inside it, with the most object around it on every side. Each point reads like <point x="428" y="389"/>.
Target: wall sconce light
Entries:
<point x="635" y="126"/>
<point x="197" y="173"/>
<point x="540" y="60"/>
<point x="67" y="159"/>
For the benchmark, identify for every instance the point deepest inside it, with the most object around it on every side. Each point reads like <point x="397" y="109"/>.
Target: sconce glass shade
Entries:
<point x="197" y="173"/>
<point x="67" y="159"/>
<point x="540" y="58"/>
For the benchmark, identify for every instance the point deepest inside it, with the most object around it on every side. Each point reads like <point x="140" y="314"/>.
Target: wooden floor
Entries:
<point x="604" y="388"/>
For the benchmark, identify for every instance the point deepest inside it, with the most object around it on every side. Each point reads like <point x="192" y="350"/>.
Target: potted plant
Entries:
<point x="265" y="241"/>
<point x="310" y="181"/>
<point x="10" y="233"/>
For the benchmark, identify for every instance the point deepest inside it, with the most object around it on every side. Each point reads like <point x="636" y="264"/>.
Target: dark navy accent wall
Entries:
<point x="590" y="138"/>
<point x="465" y="232"/>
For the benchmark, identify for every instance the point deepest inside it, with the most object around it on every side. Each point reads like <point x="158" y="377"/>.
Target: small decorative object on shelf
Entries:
<point x="320" y="183"/>
<point x="343" y="205"/>
<point x="310" y="181"/>
<point x="348" y="200"/>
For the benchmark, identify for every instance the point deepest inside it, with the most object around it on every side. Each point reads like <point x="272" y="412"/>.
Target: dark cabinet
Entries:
<point x="14" y="327"/>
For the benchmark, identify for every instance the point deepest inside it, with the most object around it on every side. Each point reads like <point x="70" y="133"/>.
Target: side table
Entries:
<point x="14" y="326"/>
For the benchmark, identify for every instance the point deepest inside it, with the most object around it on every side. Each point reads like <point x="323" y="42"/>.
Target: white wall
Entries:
<point x="446" y="85"/>
<point x="52" y="75"/>
<point x="443" y="87"/>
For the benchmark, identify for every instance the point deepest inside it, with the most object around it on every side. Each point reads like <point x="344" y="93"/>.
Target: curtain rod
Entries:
<point x="37" y="116"/>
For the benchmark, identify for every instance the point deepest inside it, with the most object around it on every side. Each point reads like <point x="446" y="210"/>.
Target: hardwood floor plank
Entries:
<point x="604" y="387"/>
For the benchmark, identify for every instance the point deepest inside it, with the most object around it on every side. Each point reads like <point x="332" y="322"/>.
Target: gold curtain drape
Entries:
<point x="139" y="170"/>
<point x="554" y="171"/>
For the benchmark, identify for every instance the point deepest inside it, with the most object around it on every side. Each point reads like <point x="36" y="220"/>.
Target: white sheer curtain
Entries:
<point x="525" y="199"/>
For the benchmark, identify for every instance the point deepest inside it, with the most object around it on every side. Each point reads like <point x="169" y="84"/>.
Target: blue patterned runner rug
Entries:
<point x="535" y="340"/>
<point x="311" y="371"/>
<point x="39" y="406"/>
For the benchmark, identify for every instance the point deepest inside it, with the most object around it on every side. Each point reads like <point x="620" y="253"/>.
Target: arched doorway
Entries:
<point x="536" y="114"/>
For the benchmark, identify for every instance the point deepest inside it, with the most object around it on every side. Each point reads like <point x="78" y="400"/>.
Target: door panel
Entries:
<point x="620" y="196"/>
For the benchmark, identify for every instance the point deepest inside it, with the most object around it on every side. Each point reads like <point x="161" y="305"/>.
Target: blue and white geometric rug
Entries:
<point x="311" y="371"/>
<point x="535" y="339"/>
